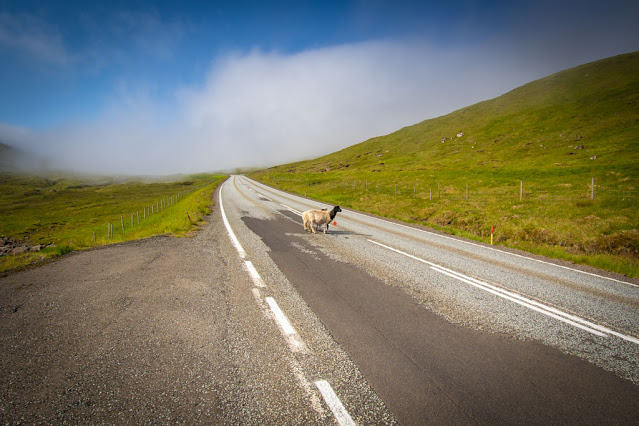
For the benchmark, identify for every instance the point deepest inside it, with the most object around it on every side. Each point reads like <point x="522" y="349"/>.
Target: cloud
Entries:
<point x="260" y="108"/>
<point x="267" y="108"/>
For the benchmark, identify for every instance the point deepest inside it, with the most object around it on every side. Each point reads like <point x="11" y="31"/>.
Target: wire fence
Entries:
<point x="131" y="221"/>
<point x="589" y="191"/>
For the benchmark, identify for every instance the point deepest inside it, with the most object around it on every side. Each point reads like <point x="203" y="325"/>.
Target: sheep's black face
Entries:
<point x="334" y="212"/>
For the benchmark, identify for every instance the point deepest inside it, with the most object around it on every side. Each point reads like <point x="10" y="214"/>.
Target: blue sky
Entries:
<point x="195" y="86"/>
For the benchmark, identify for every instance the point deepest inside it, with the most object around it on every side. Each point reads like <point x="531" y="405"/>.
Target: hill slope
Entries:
<point x="525" y="156"/>
<point x="538" y="125"/>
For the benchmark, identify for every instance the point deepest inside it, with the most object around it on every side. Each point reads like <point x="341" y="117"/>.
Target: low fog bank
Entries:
<point x="258" y="109"/>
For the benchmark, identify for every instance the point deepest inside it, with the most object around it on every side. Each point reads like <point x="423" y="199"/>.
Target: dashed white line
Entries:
<point x="284" y="323"/>
<point x="257" y="279"/>
<point x="333" y="402"/>
<point x="296" y="344"/>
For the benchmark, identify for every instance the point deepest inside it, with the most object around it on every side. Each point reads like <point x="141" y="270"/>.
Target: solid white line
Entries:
<point x="484" y="286"/>
<point x="529" y="306"/>
<point x="284" y="323"/>
<point x="297" y="212"/>
<point x="514" y="297"/>
<point x="333" y="402"/>
<point x="234" y="240"/>
<point x="587" y="323"/>
<point x="486" y="247"/>
<point x="254" y="274"/>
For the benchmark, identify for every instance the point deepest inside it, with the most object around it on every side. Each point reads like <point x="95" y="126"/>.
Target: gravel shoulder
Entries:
<point x="125" y="333"/>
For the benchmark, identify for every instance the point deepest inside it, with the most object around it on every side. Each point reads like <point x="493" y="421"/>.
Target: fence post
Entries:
<point x="122" y="221"/>
<point x="430" y="194"/>
<point x="592" y="192"/>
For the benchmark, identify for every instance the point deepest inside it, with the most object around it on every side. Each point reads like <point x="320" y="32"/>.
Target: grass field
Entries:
<point x="522" y="163"/>
<point x="65" y="214"/>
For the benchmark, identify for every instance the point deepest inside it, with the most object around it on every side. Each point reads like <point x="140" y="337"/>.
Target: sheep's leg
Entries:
<point x="312" y="228"/>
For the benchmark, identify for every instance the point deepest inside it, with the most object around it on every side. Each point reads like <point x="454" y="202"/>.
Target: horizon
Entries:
<point x="160" y="89"/>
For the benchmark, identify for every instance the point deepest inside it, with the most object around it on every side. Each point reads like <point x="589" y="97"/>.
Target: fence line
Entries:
<point x="153" y="209"/>
<point x="589" y="191"/>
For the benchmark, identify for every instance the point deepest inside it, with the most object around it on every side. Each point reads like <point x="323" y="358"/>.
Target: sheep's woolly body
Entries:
<point x="319" y="218"/>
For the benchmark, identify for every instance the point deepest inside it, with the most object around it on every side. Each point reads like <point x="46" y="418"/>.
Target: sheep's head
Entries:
<point x="334" y="212"/>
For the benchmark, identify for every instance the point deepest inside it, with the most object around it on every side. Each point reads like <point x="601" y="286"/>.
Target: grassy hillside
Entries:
<point x="523" y="162"/>
<point x="50" y="216"/>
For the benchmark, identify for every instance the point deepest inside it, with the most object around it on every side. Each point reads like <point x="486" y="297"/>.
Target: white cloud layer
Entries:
<point x="266" y="108"/>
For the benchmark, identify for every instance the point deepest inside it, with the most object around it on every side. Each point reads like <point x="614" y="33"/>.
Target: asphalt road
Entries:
<point x="450" y="331"/>
<point x="254" y="321"/>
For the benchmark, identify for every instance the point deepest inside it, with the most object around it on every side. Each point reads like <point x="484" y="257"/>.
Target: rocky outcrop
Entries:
<point x="11" y="246"/>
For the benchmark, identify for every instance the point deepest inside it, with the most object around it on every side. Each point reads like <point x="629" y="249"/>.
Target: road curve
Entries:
<point x="447" y="330"/>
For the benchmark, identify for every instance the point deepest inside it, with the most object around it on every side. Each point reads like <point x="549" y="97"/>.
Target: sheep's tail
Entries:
<point x="305" y="221"/>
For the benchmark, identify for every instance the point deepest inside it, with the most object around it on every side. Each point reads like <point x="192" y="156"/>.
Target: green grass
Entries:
<point x="68" y="214"/>
<point x="545" y="134"/>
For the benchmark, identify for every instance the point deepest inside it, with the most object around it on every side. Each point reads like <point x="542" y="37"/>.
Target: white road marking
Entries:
<point x="573" y="320"/>
<point x="254" y="274"/>
<point x="297" y="212"/>
<point x="258" y="296"/>
<point x="306" y="385"/>
<point x="284" y="323"/>
<point x="234" y="240"/>
<point x="296" y="344"/>
<point x="482" y="246"/>
<point x="333" y="402"/>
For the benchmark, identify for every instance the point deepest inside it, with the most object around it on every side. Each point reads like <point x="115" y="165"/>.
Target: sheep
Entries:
<point x="319" y="217"/>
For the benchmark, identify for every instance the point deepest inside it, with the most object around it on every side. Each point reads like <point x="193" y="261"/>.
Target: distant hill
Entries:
<point x="13" y="159"/>
<point x="560" y="121"/>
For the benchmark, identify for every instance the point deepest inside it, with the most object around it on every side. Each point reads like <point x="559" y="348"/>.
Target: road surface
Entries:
<point x="254" y="321"/>
<point x="447" y="330"/>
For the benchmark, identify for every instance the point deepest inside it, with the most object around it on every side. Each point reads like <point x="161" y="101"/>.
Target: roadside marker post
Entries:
<point x="491" y="235"/>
